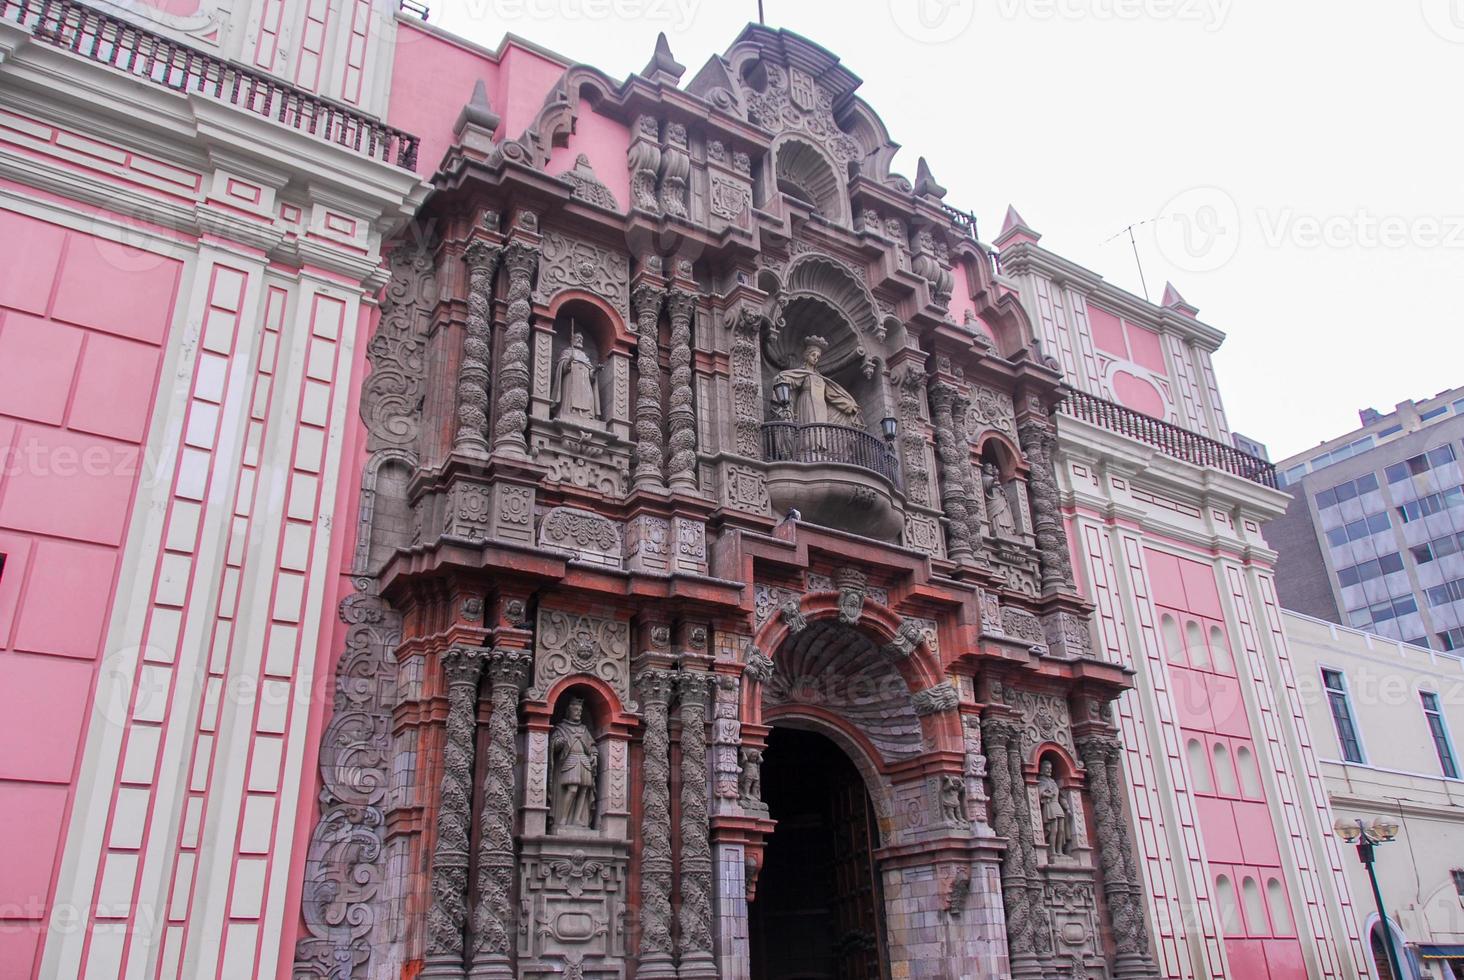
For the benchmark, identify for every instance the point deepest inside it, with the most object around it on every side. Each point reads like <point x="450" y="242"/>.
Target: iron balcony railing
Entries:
<point x="415" y="8"/>
<point x="1171" y="440"/>
<point x="792" y="442"/>
<point x="140" y="53"/>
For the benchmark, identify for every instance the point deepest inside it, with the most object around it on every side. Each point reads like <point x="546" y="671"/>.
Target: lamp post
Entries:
<point x="1367" y="837"/>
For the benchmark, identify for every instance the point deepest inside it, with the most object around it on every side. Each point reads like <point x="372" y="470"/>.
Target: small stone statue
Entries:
<point x="817" y="399"/>
<point x="750" y="785"/>
<point x="573" y="393"/>
<point x="998" y="507"/>
<point x="953" y="799"/>
<point x="575" y="763"/>
<point x="1056" y="820"/>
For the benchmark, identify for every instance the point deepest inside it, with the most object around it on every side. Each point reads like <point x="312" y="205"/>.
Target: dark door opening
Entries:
<point x="818" y="912"/>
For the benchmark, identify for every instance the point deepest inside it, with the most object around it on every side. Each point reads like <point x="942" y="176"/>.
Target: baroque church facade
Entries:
<point x="671" y="512"/>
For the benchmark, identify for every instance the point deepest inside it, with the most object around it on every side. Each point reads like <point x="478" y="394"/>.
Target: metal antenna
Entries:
<point x="1137" y="261"/>
<point x="760" y="13"/>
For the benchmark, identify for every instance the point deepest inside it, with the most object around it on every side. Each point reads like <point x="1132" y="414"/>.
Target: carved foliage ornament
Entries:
<point x="574" y="644"/>
<point x="569" y="263"/>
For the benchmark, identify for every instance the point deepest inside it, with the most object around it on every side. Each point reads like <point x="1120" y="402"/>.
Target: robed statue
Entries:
<point x="817" y="399"/>
<point x="1056" y="821"/>
<point x="998" y="507"/>
<point x="574" y="763"/>
<point x="573" y="389"/>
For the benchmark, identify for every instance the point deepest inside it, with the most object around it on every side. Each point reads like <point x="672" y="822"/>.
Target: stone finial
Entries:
<point x="1173" y="301"/>
<point x="663" y="67"/>
<point x="925" y="183"/>
<point x="477" y="122"/>
<point x="1014" y="229"/>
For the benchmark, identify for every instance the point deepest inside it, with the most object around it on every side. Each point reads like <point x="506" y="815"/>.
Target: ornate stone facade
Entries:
<point x="688" y="567"/>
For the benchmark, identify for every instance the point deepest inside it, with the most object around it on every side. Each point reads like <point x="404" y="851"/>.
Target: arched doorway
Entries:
<point x="818" y="914"/>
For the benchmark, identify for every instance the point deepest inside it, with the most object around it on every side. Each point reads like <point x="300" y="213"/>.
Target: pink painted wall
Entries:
<point x="82" y="323"/>
<point x="1240" y="841"/>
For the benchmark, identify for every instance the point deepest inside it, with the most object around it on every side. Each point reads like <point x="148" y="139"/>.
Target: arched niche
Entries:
<point x="607" y="345"/>
<point x="802" y="171"/>
<point x="1003" y="488"/>
<point x="610" y="726"/>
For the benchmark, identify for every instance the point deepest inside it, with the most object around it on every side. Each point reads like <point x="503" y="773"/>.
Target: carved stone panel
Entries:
<point x="573" y="903"/>
<point x="570" y="643"/>
<point x="990" y="409"/>
<point x="569" y="263"/>
<point x="745" y="489"/>
<point x="768" y="599"/>
<point x="1022" y="625"/>
<point x="648" y="543"/>
<point x="1068" y="634"/>
<point x="584" y="462"/>
<point x="922" y="533"/>
<point x="589" y="536"/>
<point x="1045" y="717"/>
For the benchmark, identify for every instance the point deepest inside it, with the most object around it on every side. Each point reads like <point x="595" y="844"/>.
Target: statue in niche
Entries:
<point x="1057" y="822"/>
<point x="750" y="788"/>
<point x="953" y="799"/>
<point x="817" y="399"/>
<point x="575" y="764"/>
<point x="573" y="391"/>
<point x="998" y="507"/>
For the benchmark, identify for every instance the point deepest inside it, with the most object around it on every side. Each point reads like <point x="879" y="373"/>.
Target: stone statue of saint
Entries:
<point x="998" y="507"/>
<point x="1056" y="821"/>
<point x="953" y="799"/>
<point x="817" y="399"/>
<point x="750" y="790"/>
<point x="574" y="763"/>
<point x="573" y="391"/>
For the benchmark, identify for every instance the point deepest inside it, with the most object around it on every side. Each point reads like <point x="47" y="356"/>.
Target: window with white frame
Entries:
<point x="1440" y="733"/>
<point x="1341" y="708"/>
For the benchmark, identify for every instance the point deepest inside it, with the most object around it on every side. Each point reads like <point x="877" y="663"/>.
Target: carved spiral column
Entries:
<point x="473" y="372"/>
<point x="911" y="382"/>
<point x="521" y="260"/>
<point x="952" y="489"/>
<point x="448" y="913"/>
<point x="494" y="926"/>
<point x="998" y="735"/>
<point x="1038" y="442"/>
<point x="696" y="851"/>
<point x="681" y="468"/>
<point x="649" y="456"/>
<point x="976" y="530"/>
<point x="654" y="687"/>
<point x="1121" y="889"/>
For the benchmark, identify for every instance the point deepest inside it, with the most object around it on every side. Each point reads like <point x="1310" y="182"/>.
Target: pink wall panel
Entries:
<point x="1138" y="393"/>
<point x="431" y="79"/>
<point x="605" y="142"/>
<point x="81" y="321"/>
<point x="1107" y="332"/>
<point x="1145" y="349"/>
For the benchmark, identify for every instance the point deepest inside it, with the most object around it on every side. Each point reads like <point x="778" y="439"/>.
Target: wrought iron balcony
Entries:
<point x="792" y="442"/>
<point x="140" y="53"/>
<point x="1171" y="440"/>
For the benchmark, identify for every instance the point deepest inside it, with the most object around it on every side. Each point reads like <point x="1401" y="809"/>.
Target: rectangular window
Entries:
<point x="1458" y="873"/>
<point x="1440" y="456"/>
<point x="1342" y="715"/>
<point x="1452" y="639"/>
<point x="1448" y="592"/>
<point x="1378" y="523"/>
<point x="1440" y="733"/>
<point x="1391" y="430"/>
<point x="1433" y="413"/>
<point x="1337" y="537"/>
<point x="1396" y="473"/>
<point x="1327" y="498"/>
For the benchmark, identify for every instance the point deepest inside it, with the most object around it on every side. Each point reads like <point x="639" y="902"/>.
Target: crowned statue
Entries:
<point x="575" y="764"/>
<point x="573" y="389"/>
<point x="816" y="398"/>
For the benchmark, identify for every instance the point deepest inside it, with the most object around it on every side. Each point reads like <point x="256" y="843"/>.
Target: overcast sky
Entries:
<point x="1297" y="164"/>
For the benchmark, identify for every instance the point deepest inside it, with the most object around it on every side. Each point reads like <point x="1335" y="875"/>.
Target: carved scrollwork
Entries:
<point x="932" y="700"/>
<point x="568" y="643"/>
<point x="570" y="263"/>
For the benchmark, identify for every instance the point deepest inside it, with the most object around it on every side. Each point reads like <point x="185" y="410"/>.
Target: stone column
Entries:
<point x="747" y="407"/>
<point x="681" y="467"/>
<point x="1039" y="925"/>
<point x="1002" y="738"/>
<point x="695" y="945"/>
<point x="1121" y="890"/>
<point x="653" y="688"/>
<point x="494" y="919"/>
<point x="974" y="494"/>
<point x="473" y="371"/>
<point x="522" y="261"/>
<point x="910" y="382"/>
<point x="1038" y="442"/>
<point x="649" y="455"/>
<point x="448" y="913"/>
<point x="952" y="488"/>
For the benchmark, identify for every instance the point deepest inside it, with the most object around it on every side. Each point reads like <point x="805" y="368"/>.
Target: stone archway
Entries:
<point x="819" y="911"/>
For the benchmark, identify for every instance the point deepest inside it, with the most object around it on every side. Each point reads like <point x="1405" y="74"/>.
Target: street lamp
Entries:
<point x="1366" y="837"/>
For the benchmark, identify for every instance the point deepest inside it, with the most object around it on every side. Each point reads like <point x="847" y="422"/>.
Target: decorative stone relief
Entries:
<point x="792" y="101"/>
<point x="521" y="259"/>
<point x="587" y="187"/>
<point x="589" y="536"/>
<point x="655" y="688"/>
<point x="792" y="616"/>
<point x="746" y="324"/>
<point x="922" y="533"/>
<point x="681" y="413"/>
<point x="767" y="599"/>
<point x="569" y="643"/>
<point x="582" y="463"/>
<point x="691" y="545"/>
<point x="745" y="489"/>
<point x="1022" y="625"/>
<point x="569" y="263"/>
<point x="1045" y="717"/>
<point x="726" y="738"/>
<point x="392" y="395"/>
<point x="990" y="409"/>
<point x="932" y="700"/>
<point x="649" y="450"/>
<point x="671" y="189"/>
<point x="644" y="160"/>
<point x="648" y="543"/>
<point x="1068" y="634"/>
<point x="953" y="459"/>
<point x="759" y="666"/>
<point x="1038" y="444"/>
<point x="907" y="637"/>
<point x="991" y="614"/>
<point x="473" y="371"/>
<point x="853" y="587"/>
<point x="731" y="199"/>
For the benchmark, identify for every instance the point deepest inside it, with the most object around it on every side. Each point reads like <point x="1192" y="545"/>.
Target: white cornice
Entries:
<point x="1028" y="257"/>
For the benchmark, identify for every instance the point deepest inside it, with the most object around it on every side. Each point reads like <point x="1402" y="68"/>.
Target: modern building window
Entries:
<point x="1438" y="548"/>
<point x="1452" y="639"/>
<point x="1433" y="413"/>
<point x="1458" y="876"/>
<point x="1391" y="430"/>
<point x="1420" y="464"/>
<point x="1382" y="612"/>
<point x="1440" y="734"/>
<point x="1431" y="504"/>
<point x="1342" y="715"/>
<point x="1371" y="569"/>
<point x="1343" y="492"/>
<point x="1357" y="530"/>
<point x="1441" y="595"/>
